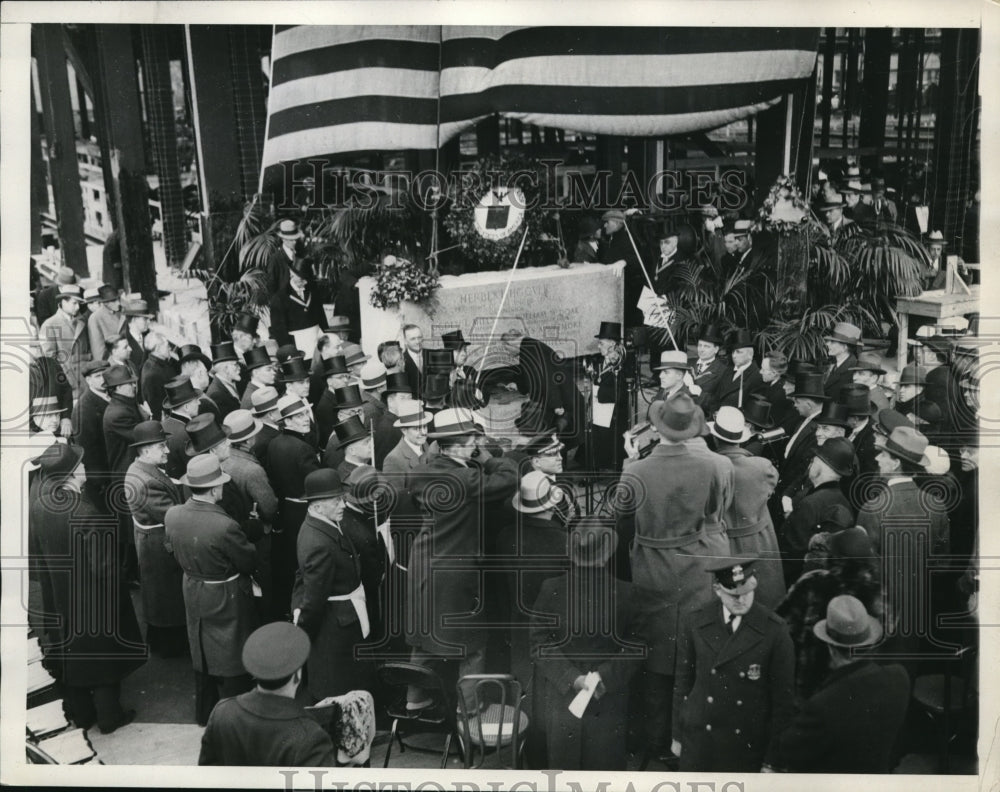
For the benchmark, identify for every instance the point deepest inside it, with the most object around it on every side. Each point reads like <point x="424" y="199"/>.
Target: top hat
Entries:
<point x="289" y="229"/>
<point x="740" y="339"/>
<point x="809" y="386"/>
<point x="118" y="375"/>
<point x="204" y="434"/>
<point x="94" y="367"/>
<point x="857" y="399"/>
<point x="592" y="541"/>
<point x="397" y="382"/>
<point x="886" y="420"/>
<point x="59" y="460"/>
<point x="321" y="484"/>
<point x="436" y="387"/>
<point x="757" y="412"/>
<point x="673" y="359"/>
<point x="256" y="357"/>
<point x="335" y="364"/>
<point x="350" y="431"/>
<point x="453" y="339"/>
<point x="847" y="624"/>
<point x="204" y="470"/>
<point x="835" y="201"/>
<point x="613" y="214"/>
<point x="147" y="433"/>
<point x="275" y="651"/>
<point x="136" y="307"/>
<point x="413" y="416"/>
<point x="373" y="374"/>
<point x="294" y="370"/>
<point x="339" y="323"/>
<point x="363" y="489"/>
<point x="348" y="396"/>
<point x="194" y="352"/>
<point x="536" y="493"/>
<point x="223" y="353"/>
<point x="713" y="334"/>
<point x="677" y="418"/>
<point x="106" y="293"/>
<point x="838" y="453"/>
<point x="734" y="574"/>
<point x="905" y="443"/>
<point x="289" y="405"/>
<point x="287" y="352"/>
<point x="438" y="361"/>
<point x="729" y="425"/>
<point x="610" y="331"/>
<point x="797" y="367"/>
<point x="247" y="323"/>
<point x="845" y="333"/>
<point x="263" y="400"/>
<point x="453" y="421"/>
<point x="240" y="425"/>
<point x="833" y="414"/>
<point x="869" y="361"/>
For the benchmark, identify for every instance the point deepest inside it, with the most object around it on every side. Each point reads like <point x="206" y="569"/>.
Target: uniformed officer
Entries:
<point x="267" y="726"/>
<point x="735" y="671"/>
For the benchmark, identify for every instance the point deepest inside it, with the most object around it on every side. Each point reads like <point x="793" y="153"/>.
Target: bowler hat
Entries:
<point x="240" y="425"/>
<point x="179" y="391"/>
<point x="734" y="574"/>
<point x="205" y="471"/>
<point x="136" y="307"/>
<point x="413" y="416"/>
<point x="869" y="361"/>
<point x="847" y="624"/>
<point x="838" y="453"/>
<point x="335" y="364"/>
<point x="294" y="370"/>
<point x="287" y="352"/>
<point x="247" y="323"/>
<point x="677" y="418"/>
<point x="350" y="431"/>
<point x="809" y="386"/>
<point x="348" y="396"/>
<point x="59" y="460"/>
<point x="729" y="425"/>
<point x="289" y="405"/>
<point x="913" y="375"/>
<point x="194" y="352"/>
<point x="673" y="359"/>
<point x="905" y="443"/>
<point x="436" y="387"/>
<point x="713" y="334"/>
<point x="373" y="374"/>
<point x="94" y="367"/>
<point x="275" y="651"/>
<point x="857" y="399"/>
<point x="256" y="357"/>
<point x="322" y="483"/>
<point x="454" y="421"/>
<point x="845" y="333"/>
<point x="536" y="493"/>
<point x="289" y="229"/>
<point x="740" y="339"/>
<point x="224" y="353"/>
<point x="613" y="214"/>
<point x="204" y="434"/>
<point x="833" y="414"/>
<point x="610" y="331"/>
<point x="397" y="382"/>
<point x="888" y="419"/>
<point x="592" y="541"/>
<point x="263" y="400"/>
<point x="147" y="433"/>
<point x="757" y="411"/>
<point x="118" y="375"/>
<point x="453" y="339"/>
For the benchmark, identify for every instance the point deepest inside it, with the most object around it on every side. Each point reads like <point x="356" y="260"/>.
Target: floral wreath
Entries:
<point x="398" y="280"/>
<point x="784" y="211"/>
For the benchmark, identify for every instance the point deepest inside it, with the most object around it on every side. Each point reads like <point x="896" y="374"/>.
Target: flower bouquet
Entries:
<point x="398" y="280"/>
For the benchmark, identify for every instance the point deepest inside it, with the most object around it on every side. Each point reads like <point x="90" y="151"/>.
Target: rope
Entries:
<point x="503" y="300"/>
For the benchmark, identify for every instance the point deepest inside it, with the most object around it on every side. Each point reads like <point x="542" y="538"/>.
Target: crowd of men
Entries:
<point x="745" y="601"/>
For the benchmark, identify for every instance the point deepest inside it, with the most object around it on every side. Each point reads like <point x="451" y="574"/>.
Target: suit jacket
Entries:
<point x="137" y="350"/>
<point x="266" y="434"/>
<point x="867" y="467"/>
<point x="326" y="416"/>
<point x="156" y="373"/>
<point x="120" y="419"/>
<point x="709" y="381"/>
<point x="290" y="458"/>
<point x="839" y="376"/>
<point x="413" y="374"/>
<point x="794" y="467"/>
<point x="177" y="440"/>
<point x="260" y="728"/>
<point x="290" y="312"/>
<point x="360" y="529"/>
<point x="733" y="693"/>
<point x="226" y="401"/>
<point x="728" y="392"/>
<point x="808" y="512"/>
<point x="250" y="479"/>
<point x="399" y="467"/>
<point x="544" y="376"/>
<point x="102" y="325"/>
<point x="851" y="723"/>
<point x="65" y="339"/>
<point x="88" y="431"/>
<point x="387" y="437"/>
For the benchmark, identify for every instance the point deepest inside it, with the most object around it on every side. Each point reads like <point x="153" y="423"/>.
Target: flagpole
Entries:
<point x="649" y="280"/>
<point x="503" y="300"/>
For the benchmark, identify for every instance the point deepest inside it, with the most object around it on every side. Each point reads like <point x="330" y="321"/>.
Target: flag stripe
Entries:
<point x="390" y="109"/>
<point x="358" y="82"/>
<point x="325" y="62"/>
<point x="295" y="39"/>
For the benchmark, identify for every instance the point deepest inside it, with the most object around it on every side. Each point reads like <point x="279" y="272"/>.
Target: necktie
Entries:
<point x="733" y="623"/>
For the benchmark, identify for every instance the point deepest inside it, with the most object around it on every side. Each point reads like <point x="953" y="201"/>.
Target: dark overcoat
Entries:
<point x="728" y="393"/>
<point x="839" y="376"/>
<point x="120" y="419"/>
<point x="359" y="528"/>
<point x="156" y="373"/>
<point x="224" y="399"/>
<point x="709" y="381"/>
<point x="808" y="512"/>
<point x="88" y="430"/>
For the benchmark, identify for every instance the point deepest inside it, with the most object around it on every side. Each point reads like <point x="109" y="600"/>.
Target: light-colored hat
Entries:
<point x="938" y="461"/>
<point x="264" y="399"/>
<point x="414" y="415"/>
<point x="673" y="359"/>
<point x="845" y="333"/>
<point x="289" y="405"/>
<point x="729" y="425"/>
<point x="373" y="375"/>
<point x="536" y="494"/>
<point x="936" y="236"/>
<point x="847" y="624"/>
<point x="454" y="421"/>
<point x="613" y="214"/>
<point x="289" y="229"/>
<point x="240" y="425"/>
<point x="204" y="470"/>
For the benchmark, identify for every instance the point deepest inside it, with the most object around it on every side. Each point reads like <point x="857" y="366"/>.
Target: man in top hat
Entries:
<point x="150" y="492"/>
<point x="372" y="384"/>
<point x="280" y="261"/>
<point x="663" y="525"/>
<point x="46" y="298"/>
<point x="297" y="306"/>
<point x="180" y="406"/>
<point x="459" y="347"/>
<point x="224" y="389"/>
<point x="740" y="381"/>
<point x="264" y="406"/>
<point x="261" y="373"/>
<point x="350" y="446"/>
<point x="776" y="390"/>
<point x="831" y="422"/>
<point x="807" y="399"/>
<point x="137" y="316"/>
<point x="290" y="458"/>
<point x="709" y="369"/>
<point x="387" y="435"/>
<point x="884" y="208"/>
<point x="748" y="522"/>
<point x="587" y="244"/>
<point x="63" y="336"/>
<point x="105" y="318"/>
<point x="88" y="423"/>
<point x="616" y="246"/>
<point x="337" y="376"/>
<point x="266" y="726"/>
<point x="843" y="341"/>
<point x="831" y="462"/>
<point x="566" y="652"/>
<point x="861" y="433"/>
<point x="217" y="559"/>
<point x="436" y="390"/>
<point x="735" y="675"/>
<point x="158" y="369"/>
<point x="912" y="402"/>
<point x="867" y="371"/>
<point x="328" y="600"/>
<point x="244" y="333"/>
<point x="851" y="724"/>
<point x="609" y="398"/>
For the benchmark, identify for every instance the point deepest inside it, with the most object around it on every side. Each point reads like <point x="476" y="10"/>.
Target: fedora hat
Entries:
<point x="46" y="405"/>
<point x="224" y="353"/>
<point x="610" y="331"/>
<point x="834" y="201"/>
<point x="740" y="339"/>
<point x="436" y="387"/>
<point x="65" y="276"/>
<point x="869" y="361"/>
<point x="757" y="412"/>
<point x="204" y="471"/>
<point x="94" y="367"/>
<point x="414" y="416"/>
<point x="453" y="340"/>
<point x="677" y="418"/>
<point x="339" y="323"/>
<point x="847" y="624"/>
<point x="852" y="186"/>
<point x="453" y="421"/>
<point x="373" y="375"/>
<point x="350" y="431"/>
<point x="857" y="399"/>
<point x="592" y="541"/>
<point x="256" y="357"/>
<point x="90" y="295"/>
<point x="335" y="364"/>
<point x="287" y="352"/>
<point x="353" y="353"/>
<point x="204" y="434"/>
<point x="438" y="361"/>
<point x="347" y="397"/>
<point x="845" y="333"/>
<point x="735" y="575"/>
<point x="713" y="334"/>
<point x="263" y="400"/>
<point x="289" y="229"/>
<point x="194" y="352"/>
<point x="321" y="484"/>
<point x="289" y="405"/>
<point x="613" y="214"/>
<point x="888" y="419"/>
<point x="397" y="382"/>
<point x="536" y="493"/>
<point x="118" y="375"/>
<point x="240" y="425"/>
<point x="937" y="236"/>
<point x="147" y="433"/>
<point x="70" y="291"/>
<point x="275" y="651"/>
<point x="247" y="323"/>
<point x="294" y="370"/>
<point x="809" y="386"/>
<point x="838" y="453"/>
<point x="953" y="326"/>
<point x="673" y="359"/>
<point x="833" y="414"/>
<point x="136" y="307"/>
<point x="59" y="460"/>
<point x="905" y="443"/>
<point x="106" y="293"/>
<point x="729" y="425"/>
<point x="913" y="375"/>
